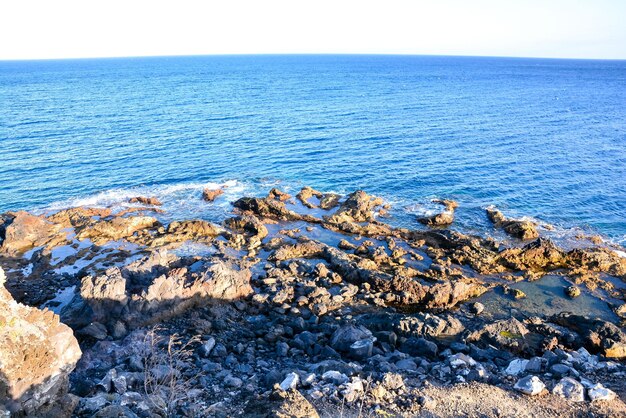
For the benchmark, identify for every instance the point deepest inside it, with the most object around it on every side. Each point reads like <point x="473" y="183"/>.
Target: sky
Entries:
<point x="43" y="29"/>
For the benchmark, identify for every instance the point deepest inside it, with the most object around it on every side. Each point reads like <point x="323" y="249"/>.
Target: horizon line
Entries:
<point x="285" y="54"/>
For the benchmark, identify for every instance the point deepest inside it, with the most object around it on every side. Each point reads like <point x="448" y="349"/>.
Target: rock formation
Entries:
<point x="37" y="353"/>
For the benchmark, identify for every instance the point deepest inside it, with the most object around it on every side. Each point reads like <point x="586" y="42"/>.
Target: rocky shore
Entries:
<point x="304" y="306"/>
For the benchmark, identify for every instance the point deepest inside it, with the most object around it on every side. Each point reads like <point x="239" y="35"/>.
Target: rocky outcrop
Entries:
<point x="144" y="200"/>
<point x="180" y="231"/>
<point x="358" y="207"/>
<point x="209" y="195"/>
<point x="37" y="353"/>
<point x="117" y="228"/>
<point x="79" y="217"/>
<point x="540" y="255"/>
<point x="517" y="228"/>
<point x="146" y="292"/>
<point x="444" y="218"/>
<point x="327" y="201"/>
<point x="23" y="231"/>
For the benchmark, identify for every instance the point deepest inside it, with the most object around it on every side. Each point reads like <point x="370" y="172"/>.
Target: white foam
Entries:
<point x="621" y="254"/>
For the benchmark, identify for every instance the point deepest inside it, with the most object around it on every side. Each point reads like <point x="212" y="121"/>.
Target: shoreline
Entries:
<point x="315" y="293"/>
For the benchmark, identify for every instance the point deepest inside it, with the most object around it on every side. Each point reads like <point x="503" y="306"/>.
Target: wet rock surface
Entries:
<point x="310" y="305"/>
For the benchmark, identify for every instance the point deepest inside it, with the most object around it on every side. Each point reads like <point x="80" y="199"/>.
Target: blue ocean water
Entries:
<point x="536" y="137"/>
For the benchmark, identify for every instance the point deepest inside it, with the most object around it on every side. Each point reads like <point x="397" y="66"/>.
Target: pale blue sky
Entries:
<point x="526" y="28"/>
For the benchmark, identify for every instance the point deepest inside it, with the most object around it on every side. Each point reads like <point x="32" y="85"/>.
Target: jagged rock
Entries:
<point x="37" y="353"/>
<point x="530" y="385"/>
<point x="329" y="201"/>
<point x="307" y="193"/>
<point x="598" y="260"/>
<point x="538" y="255"/>
<point x="516" y="367"/>
<point x="335" y="377"/>
<point x="271" y="208"/>
<point x="476" y="308"/>
<point x="210" y="195"/>
<point x="439" y="219"/>
<point x="517" y="228"/>
<point x="115" y="411"/>
<point x="570" y="389"/>
<point x="278" y="195"/>
<point x="144" y="200"/>
<point x="362" y="349"/>
<point x="140" y="300"/>
<point x="250" y="226"/>
<point x="420" y="347"/>
<point x="513" y="292"/>
<point x="94" y="330"/>
<point x="358" y="207"/>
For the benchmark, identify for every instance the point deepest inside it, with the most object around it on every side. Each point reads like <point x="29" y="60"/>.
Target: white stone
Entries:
<point x="530" y="385"/>
<point x="335" y="377"/>
<point x="570" y="389"/>
<point x="599" y="393"/>
<point x="516" y="366"/>
<point x="290" y="381"/>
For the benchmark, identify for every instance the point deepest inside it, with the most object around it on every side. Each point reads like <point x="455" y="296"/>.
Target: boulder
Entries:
<point x="37" y="353"/>
<point x="140" y="299"/>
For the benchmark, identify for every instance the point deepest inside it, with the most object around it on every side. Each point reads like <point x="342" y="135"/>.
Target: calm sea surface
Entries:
<point x="540" y="138"/>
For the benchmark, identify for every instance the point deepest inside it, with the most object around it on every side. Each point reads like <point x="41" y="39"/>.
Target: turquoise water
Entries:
<point x="542" y="138"/>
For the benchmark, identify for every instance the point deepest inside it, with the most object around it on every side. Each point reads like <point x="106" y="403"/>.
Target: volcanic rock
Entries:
<point x="37" y="353"/>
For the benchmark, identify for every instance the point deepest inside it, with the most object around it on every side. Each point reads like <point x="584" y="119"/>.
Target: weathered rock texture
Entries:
<point x="36" y="356"/>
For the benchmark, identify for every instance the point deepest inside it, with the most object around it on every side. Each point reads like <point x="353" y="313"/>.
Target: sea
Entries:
<point x="538" y="138"/>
